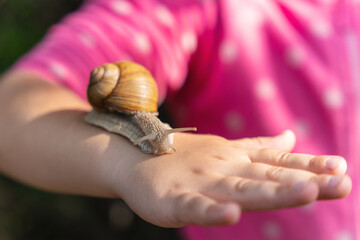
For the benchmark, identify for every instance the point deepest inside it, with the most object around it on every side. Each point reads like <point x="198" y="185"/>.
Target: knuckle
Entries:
<point x="324" y="180"/>
<point x="313" y="162"/>
<point x="195" y="201"/>
<point x="275" y="157"/>
<point x="243" y="185"/>
<point x="277" y="190"/>
<point x="317" y="162"/>
<point x="316" y="179"/>
<point x="190" y="205"/>
<point x="274" y="173"/>
<point x="283" y="158"/>
<point x="183" y="200"/>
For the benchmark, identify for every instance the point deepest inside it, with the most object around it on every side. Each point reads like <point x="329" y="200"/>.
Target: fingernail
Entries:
<point x="299" y="186"/>
<point x="333" y="163"/>
<point x="334" y="181"/>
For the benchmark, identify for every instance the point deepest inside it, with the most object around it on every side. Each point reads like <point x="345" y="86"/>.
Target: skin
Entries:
<point x="208" y="181"/>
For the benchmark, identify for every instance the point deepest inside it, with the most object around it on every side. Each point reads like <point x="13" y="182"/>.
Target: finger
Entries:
<point x="333" y="187"/>
<point x="285" y="141"/>
<point x="265" y="172"/>
<point x="330" y="186"/>
<point x="254" y="195"/>
<point x="318" y="164"/>
<point x="196" y="208"/>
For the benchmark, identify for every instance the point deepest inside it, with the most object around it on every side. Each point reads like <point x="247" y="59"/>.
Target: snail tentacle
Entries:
<point x="151" y="136"/>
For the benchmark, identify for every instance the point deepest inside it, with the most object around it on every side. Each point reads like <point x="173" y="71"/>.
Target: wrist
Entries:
<point x="118" y="159"/>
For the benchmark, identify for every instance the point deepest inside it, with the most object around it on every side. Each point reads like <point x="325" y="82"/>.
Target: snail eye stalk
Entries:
<point x="172" y="148"/>
<point x="174" y="130"/>
<point x="151" y="136"/>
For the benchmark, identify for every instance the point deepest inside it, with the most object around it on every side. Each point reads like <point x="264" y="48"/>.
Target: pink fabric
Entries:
<point x="237" y="69"/>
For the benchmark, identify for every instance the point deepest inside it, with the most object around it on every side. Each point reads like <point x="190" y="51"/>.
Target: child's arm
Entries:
<point x="45" y="142"/>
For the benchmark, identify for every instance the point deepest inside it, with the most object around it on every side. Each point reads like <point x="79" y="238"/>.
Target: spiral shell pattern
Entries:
<point x="124" y="87"/>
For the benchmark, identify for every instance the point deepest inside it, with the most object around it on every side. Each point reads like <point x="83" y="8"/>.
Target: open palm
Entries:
<point x="210" y="180"/>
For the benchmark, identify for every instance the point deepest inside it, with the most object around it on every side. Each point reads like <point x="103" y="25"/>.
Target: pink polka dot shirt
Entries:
<point x="237" y="69"/>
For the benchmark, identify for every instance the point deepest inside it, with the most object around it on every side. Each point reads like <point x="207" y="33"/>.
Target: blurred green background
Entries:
<point x="26" y="213"/>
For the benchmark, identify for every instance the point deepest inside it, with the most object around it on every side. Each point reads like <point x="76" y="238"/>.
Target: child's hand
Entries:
<point x="210" y="180"/>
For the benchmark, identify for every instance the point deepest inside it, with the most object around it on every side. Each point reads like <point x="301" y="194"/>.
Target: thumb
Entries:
<point x="284" y="141"/>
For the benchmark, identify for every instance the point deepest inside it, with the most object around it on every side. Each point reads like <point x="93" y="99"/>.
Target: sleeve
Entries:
<point x="162" y="35"/>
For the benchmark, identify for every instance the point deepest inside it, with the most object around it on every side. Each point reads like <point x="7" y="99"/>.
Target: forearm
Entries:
<point x="45" y="142"/>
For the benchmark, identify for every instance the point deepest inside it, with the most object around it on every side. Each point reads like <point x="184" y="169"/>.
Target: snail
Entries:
<point x="124" y="100"/>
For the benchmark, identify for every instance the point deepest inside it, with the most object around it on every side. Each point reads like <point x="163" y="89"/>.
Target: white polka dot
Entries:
<point x="271" y="230"/>
<point x="87" y="39"/>
<point x="302" y="127"/>
<point x="58" y="69"/>
<point x="173" y="73"/>
<point x="189" y="41"/>
<point x="142" y="42"/>
<point x="321" y="28"/>
<point x="294" y="56"/>
<point x="164" y="16"/>
<point x="328" y="2"/>
<point x="344" y="235"/>
<point x="233" y="121"/>
<point x="250" y="15"/>
<point x="227" y="52"/>
<point x="352" y="50"/>
<point x="122" y="7"/>
<point x="333" y="98"/>
<point x="265" y="89"/>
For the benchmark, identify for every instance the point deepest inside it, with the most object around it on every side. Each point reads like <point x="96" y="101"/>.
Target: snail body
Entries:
<point x="124" y="98"/>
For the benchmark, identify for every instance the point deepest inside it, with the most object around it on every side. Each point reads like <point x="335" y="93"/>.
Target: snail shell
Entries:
<point x="123" y="87"/>
<point x="124" y="98"/>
